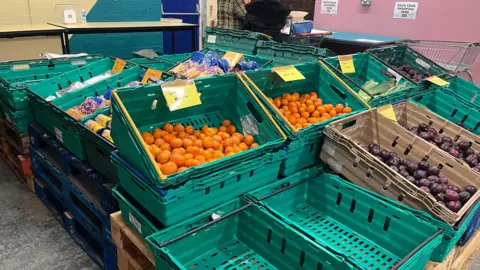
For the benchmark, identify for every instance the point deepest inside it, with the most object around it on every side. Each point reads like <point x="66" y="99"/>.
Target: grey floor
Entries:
<point x="30" y="237"/>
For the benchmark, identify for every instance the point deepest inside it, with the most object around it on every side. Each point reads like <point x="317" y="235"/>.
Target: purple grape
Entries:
<point x="424" y="188"/>
<point x="433" y="179"/>
<point x="440" y="197"/>
<point x="451" y="195"/>
<point x="471" y="189"/>
<point x="454" y="188"/>
<point x="433" y="170"/>
<point x="443" y="180"/>
<point x="419" y="174"/>
<point x="455" y="206"/>
<point x="423" y="165"/>
<point x="464" y="196"/>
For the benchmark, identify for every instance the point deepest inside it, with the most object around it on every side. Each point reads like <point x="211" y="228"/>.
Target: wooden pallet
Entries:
<point x="19" y="141"/>
<point x="460" y="257"/>
<point x="20" y="164"/>
<point x="132" y="251"/>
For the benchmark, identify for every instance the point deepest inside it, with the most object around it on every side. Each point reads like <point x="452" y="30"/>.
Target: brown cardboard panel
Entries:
<point x="344" y="150"/>
<point x="28" y="48"/>
<point x="14" y="12"/>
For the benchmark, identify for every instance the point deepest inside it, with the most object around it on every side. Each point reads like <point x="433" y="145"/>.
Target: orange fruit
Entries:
<point x="287" y="114"/>
<point x="159" y="142"/>
<point x="155" y="150"/>
<point x="168" y="137"/>
<point x="310" y="108"/>
<point x="186" y="143"/>
<point x="309" y="102"/>
<point x="217" y="138"/>
<point x="312" y="120"/>
<point x="182" y="135"/>
<point x="181" y="169"/>
<point x="179" y="151"/>
<point x="189" y="129"/>
<point x="194" y="150"/>
<point x="239" y="136"/>
<point x="226" y="123"/>
<point x="243" y="146"/>
<point x="169" y="168"/>
<point x="284" y="101"/>
<point x="235" y="140"/>
<point x="292" y="120"/>
<point x="198" y="143"/>
<point x="228" y="142"/>
<point x="295" y="96"/>
<point x="207" y="142"/>
<point x="188" y="156"/>
<point x="298" y="126"/>
<point x="228" y="149"/>
<point x="216" y="145"/>
<point x="191" y="138"/>
<point x="157" y="133"/>
<point x="321" y="110"/>
<point x="202" y="136"/>
<point x="237" y="149"/>
<point x="293" y="110"/>
<point x="302" y="110"/>
<point x="179" y="160"/>
<point x="333" y="113"/>
<point x="305" y="115"/>
<point x="249" y="140"/>
<point x="315" y="114"/>
<point x="204" y="129"/>
<point x="339" y="108"/>
<point x="197" y="133"/>
<point x="254" y="145"/>
<point x="179" y="127"/>
<point x="209" y="153"/>
<point x="163" y="157"/>
<point x="347" y="110"/>
<point x="168" y="128"/>
<point x="230" y="154"/>
<point x="326" y="115"/>
<point x="277" y="102"/>
<point x="201" y="158"/>
<point x="224" y="135"/>
<point x="296" y="115"/>
<point x="176" y="143"/>
<point x="317" y="103"/>
<point x="231" y="129"/>
<point x="148" y="138"/>
<point x="222" y="129"/>
<point x="166" y="147"/>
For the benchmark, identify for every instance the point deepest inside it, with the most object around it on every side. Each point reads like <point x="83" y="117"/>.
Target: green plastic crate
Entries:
<point x="172" y="205"/>
<point x="465" y="89"/>
<point x="239" y="41"/>
<point x="20" y="119"/>
<point x="177" y="58"/>
<point x="222" y="98"/>
<point x="248" y="238"/>
<point x="53" y="117"/>
<point x="304" y="145"/>
<point x="366" y="231"/>
<point x="287" y="54"/>
<point x="156" y="63"/>
<point x="401" y="55"/>
<point x="369" y="68"/>
<point x="17" y="76"/>
<point x="451" y="107"/>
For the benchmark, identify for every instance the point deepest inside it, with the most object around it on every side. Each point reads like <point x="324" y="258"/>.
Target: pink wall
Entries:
<point x="456" y="20"/>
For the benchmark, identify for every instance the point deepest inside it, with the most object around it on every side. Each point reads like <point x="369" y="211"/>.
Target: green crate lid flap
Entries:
<point x="287" y="54"/>
<point x="240" y="41"/>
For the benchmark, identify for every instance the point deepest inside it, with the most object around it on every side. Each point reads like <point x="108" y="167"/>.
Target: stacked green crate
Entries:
<point x="156" y="63"/>
<point x="286" y="54"/>
<point x="17" y="76"/>
<point x="374" y="82"/>
<point x="304" y="144"/>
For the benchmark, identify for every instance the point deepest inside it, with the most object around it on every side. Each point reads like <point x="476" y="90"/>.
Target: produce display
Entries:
<point x="415" y="75"/>
<point x="101" y="125"/>
<point x="304" y="110"/>
<point x="426" y="177"/>
<point x="79" y="85"/>
<point x="177" y="148"/>
<point x="460" y="150"/>
<point x="91" y="105"/>
<point x="208" y="64"/>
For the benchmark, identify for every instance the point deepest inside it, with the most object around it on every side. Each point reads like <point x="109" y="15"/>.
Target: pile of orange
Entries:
<point x="307" y="109"/>
<point x="177" y="148"/>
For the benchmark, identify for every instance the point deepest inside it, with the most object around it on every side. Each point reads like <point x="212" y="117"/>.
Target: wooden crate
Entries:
<point x="132" y="251"/>
<point x="460" y="257"/>
<point x="19" y="141"/>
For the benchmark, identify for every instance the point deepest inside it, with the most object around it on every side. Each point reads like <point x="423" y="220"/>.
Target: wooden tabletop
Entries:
<point x="20" y="28"/>
<point x="123" y="25"/>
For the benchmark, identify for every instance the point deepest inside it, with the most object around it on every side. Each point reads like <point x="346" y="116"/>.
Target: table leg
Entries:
<point x="67" y="43"/>
<point x="193" y="40"/>
<point x="64" y="48"/>
<point x="173" y="42"/>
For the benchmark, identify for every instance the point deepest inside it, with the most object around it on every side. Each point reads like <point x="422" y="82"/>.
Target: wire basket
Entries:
<point x="451" y="55"/>
<point x="304" y="39"/>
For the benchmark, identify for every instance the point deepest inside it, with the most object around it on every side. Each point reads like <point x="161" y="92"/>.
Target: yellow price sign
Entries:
<point x="388" y="112"/>
<point x="151" y="73"/>
<point x="181" y="94"/>
<point x="118" y="66"/>
<point x="436" y="80"/>
<point x="289" y="73"/>
<point x="346" y="63"/>
<point x="232" y="58"/>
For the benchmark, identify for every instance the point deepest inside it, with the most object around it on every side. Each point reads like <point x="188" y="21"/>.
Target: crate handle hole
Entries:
<point x="370" y="215"/>
<point x="349" y="124"/>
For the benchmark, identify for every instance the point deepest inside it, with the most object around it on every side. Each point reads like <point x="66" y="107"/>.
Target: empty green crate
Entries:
<point x="287" y="54"/>
<point x="248" y="238"/>
<point x="157" y="63"/>
<point x="366" y="231"/>
<point x="304" y="145"/>
<point x="17" y="76"/>
<point x="20" y="119"/>
<point x="465" y="89"/>
<point x="172" y="205"/>
<point x="239" y="41"/>
<point x="222" y="98"/>
<point x="53" y="117"/>
<point x="451" y="107"/>
<point x="398" y="55"/>
<point x="368" y="68"/>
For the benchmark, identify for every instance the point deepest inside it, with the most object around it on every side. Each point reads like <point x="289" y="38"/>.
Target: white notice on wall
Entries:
<point x="329" y="7"/>
<point x="405" y="10"/>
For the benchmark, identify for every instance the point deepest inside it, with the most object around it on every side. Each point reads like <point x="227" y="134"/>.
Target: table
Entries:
<point x="348" y="42"/>
<point x="32" y="30"/>
<point x="125" y="27"/>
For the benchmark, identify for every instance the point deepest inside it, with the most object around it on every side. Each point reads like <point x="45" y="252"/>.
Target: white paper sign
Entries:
<point x="405" y="10"/>
<point x="329" y="7"/>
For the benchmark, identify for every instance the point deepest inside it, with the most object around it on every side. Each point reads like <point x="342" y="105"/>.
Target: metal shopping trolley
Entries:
<point x="451" y="55"/>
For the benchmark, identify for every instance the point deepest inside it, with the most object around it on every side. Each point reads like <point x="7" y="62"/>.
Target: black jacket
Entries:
<point x="266" y="16"/>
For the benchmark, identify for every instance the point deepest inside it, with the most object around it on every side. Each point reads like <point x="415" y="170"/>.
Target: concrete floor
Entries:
<point x="30" y="237"/>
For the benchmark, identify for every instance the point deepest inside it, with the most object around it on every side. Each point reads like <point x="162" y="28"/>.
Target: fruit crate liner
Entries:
<point x="247" y="238"/>
<point x="352" y="222"/>
<point x="402" y="54"/>
<point x="410" y="114"/>
<point x="222" y="98"/>
<point x="344" y="150"/>
<point x="452" y="107"/>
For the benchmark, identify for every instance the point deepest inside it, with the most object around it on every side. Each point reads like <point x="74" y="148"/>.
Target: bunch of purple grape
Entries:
<point x="408" y="72"/>
<point x="426" y="177"/>
<point x="461" y="150"/>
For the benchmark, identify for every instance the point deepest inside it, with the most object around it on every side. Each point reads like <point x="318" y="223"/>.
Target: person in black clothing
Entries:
<point x="267" y="17"/>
